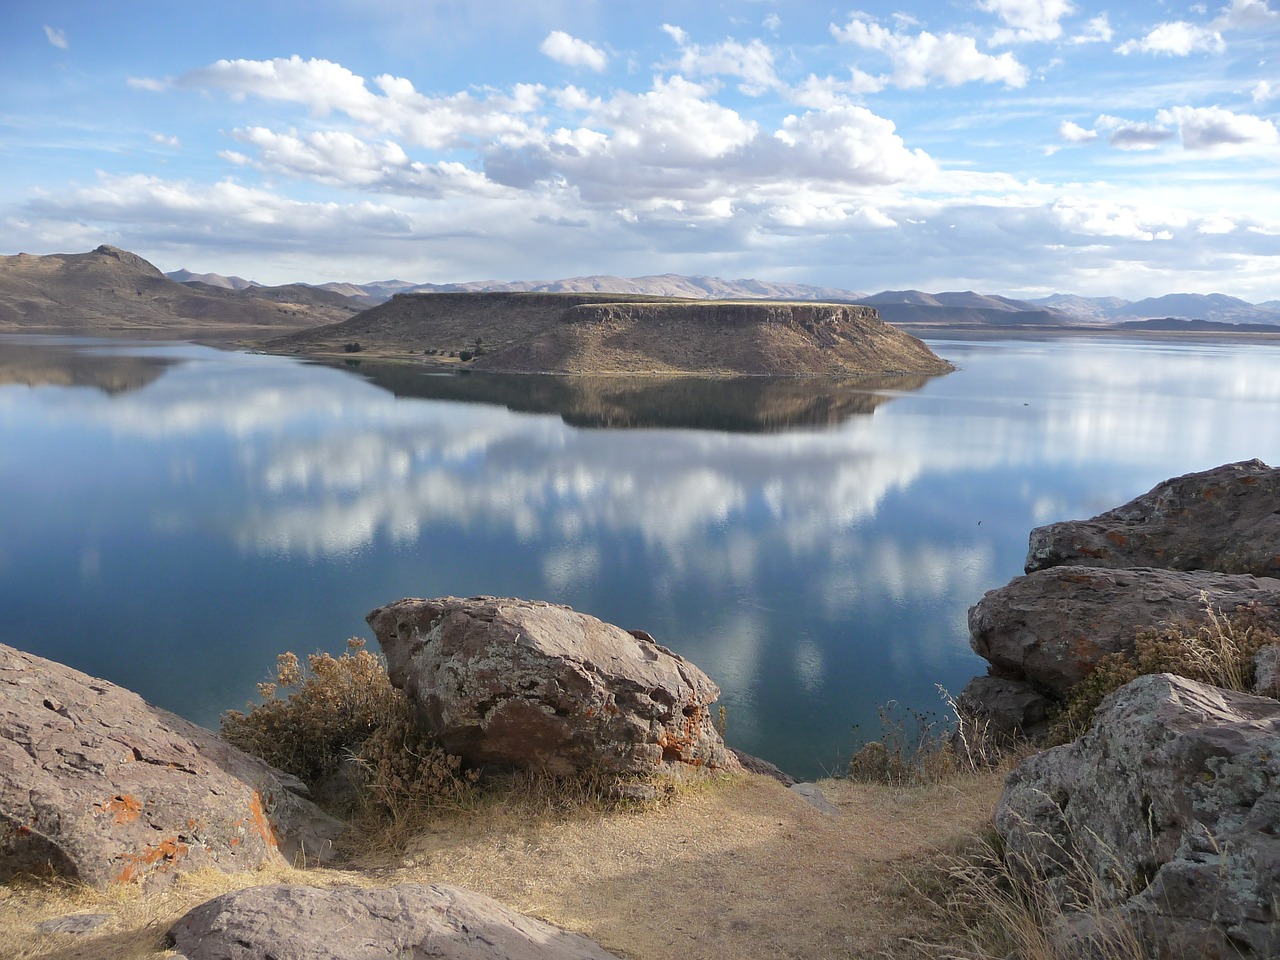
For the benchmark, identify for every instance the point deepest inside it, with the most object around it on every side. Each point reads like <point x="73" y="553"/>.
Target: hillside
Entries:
<point x="605" y="333"/>
<point x="966" y="308"/>
<point x="110" y="288"/>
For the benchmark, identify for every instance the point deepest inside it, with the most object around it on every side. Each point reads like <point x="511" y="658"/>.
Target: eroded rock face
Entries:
<point x="1172" y="801"/>
<point x="355" y="923"/>
<point x="102" y="787"/>
<point x="1052" y="627"/>
<point x="1225" y="519"/>
<point x="529" y="684"/>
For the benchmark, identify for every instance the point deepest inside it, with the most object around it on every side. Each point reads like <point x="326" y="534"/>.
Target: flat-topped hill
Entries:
<point x="110" y="288"/>
<point x="611" y="334"/>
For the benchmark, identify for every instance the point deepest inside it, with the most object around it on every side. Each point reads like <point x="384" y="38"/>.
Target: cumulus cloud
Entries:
<point x="152" y="84"/>
<point x="1027" y="20"/>
<point x="339" y="158"/>
<point x="1245" y="14"/>
<point x="56" y="37"/>
<point x="1206" y="128"/>
<point x="1097" y="30"/>
<point x="917" y="60"/>
<point x="751" y="62"/>
<point x="1074" y="133"/>
<point x="458" y="120"/>
<point x="1263" y="91"/>
<point x="1178" y="39"/>
<point x="571" y="51"/>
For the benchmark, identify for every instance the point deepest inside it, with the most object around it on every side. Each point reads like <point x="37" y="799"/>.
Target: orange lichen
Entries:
<point x="1118" y="538"/>
<point x="258" y="822"/>
<point x="158" y="856"/>
<point x="125" y="808"/>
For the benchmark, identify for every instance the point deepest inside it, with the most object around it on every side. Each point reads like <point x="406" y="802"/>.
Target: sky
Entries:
<point x="1015" y="147"/>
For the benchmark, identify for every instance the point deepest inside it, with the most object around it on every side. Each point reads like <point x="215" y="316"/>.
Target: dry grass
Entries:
<point x="740" y="868"/>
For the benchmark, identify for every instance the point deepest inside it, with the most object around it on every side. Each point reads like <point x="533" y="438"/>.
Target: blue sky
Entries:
<point x="1021" y="147"/>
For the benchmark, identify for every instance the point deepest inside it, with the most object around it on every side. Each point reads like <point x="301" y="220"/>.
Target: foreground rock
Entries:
<point x="528" y="684"/>
<point x="1225" y="519"/>
<point x="1166" y="815"/>
<point x="353" y="923"/>
<point x="1052" y="627"/>
<point x="99" y="786"/>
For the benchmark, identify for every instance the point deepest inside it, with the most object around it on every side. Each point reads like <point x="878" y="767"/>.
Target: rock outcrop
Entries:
<point x="356" y="923"/>
<point x="528" y="684"/>
<point x="101" y="787"/>
<point x="1165" y="816"/>
<point x="1050" y="628"/>
<point x="1209" y="537"/>
<point x="1225" y="519"/>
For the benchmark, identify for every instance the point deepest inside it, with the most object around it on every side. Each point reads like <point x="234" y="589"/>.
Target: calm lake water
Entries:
<point x="173" y="516"/>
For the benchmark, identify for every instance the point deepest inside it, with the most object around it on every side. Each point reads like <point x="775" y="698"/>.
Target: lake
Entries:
<point x="172" y="516"/>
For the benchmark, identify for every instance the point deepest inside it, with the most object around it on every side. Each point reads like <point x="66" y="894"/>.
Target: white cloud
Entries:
<point x="771" y="22"/>
<point x="1206" y="128"/>
<point x="571" y="51"/>
<point x="168" y="141"/>
<point x="950" y="59"/>
<point x="751" y="62"/>
<point x="1128" y="135"/>
<point x="1028" y="20"/>
<point x="340" y="158"/>
<point x="1245" y="14"/>
<point x="1263" y="91"/>
<point x="1097" y="30"/>
<point x="151" y="84"/>
<point x="1216" y="225"/>
<point x="458" y="120"/>
<point x="56" y="37"/>
<point x="1178" y="39"/>
<point x="1074" y="133"/>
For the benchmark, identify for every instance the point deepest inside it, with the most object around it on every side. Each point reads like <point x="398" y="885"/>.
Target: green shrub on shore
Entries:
<point x="1218" y="649"/>
<point x="343" y="718"/>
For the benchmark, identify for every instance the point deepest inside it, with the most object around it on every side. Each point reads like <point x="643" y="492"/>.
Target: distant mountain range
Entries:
<point x="113" y="287"/>
<point x="914" y="307"/>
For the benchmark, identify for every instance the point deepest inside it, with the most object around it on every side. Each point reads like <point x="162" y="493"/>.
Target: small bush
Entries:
<point x="343" y="712"/>
<point x="352" y="347"/>
<point x="1218" y="649"/>
<point x="465" y="355"/>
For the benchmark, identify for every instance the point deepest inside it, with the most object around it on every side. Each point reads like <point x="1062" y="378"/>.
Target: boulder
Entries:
<point x="528" y="684"/>
<point x="1050" y="628"/>
<point x="1165" y="816"/>
<point x="1225" y="519"/>
<point x="101" y="787"/>
<point x="358" y="923"/>
<point x="1002" y="710"/>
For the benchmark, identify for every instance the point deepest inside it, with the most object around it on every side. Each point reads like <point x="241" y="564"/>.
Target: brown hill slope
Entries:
<point x="609" y="334"/>
<point x="110" y="288"/>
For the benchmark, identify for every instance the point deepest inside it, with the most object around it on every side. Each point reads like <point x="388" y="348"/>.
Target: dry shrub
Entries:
<point x="1002" y="906"/>
<point x="342" y="718"/>
<point x="927" y="748"/>
<point x="1218" y="649"/>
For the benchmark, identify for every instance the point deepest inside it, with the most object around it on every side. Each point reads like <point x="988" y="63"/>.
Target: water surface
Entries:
<point x="172" y="516"/>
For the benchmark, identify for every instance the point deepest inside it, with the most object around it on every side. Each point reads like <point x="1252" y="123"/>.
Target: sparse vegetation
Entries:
<point x="1218" y="650"/>
<point x="342" y="718"/>
<point x="352" y="346"/>
<point x="916" y="748"/>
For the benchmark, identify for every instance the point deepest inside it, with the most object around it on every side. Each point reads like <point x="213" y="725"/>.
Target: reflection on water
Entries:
<point x="35" y="361"/>
<point x="735" y="405"/>
<point x="814" y="552"/>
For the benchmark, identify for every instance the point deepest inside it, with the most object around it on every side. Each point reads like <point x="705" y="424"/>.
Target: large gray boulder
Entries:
<point x="101" y="787"/>
<point x="357" y="923"/>
<point x="1052" y="627"/>
<point x="1225" y="519"/>
<point x="534" y="685"/>
<point x="1165" y="815"/>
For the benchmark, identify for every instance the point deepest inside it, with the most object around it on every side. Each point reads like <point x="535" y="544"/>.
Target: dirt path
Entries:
<point x="745" y="869"/>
